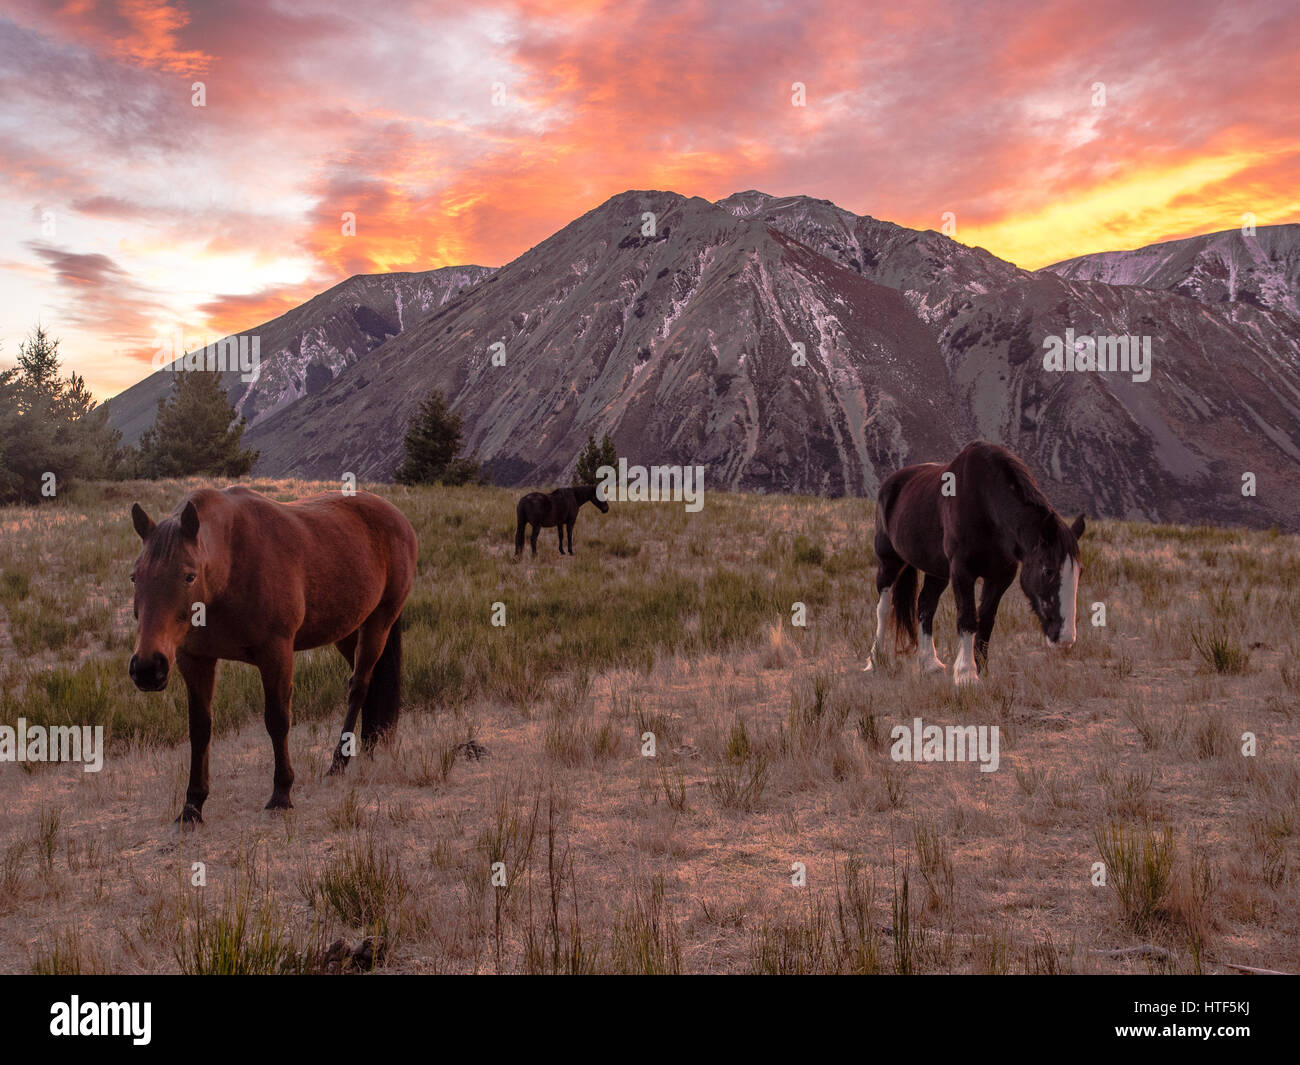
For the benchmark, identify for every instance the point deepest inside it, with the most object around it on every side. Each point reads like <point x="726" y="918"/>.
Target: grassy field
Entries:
<point x="521" y="750"/>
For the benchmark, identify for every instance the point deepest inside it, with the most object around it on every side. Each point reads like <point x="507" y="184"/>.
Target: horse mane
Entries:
<point x="164" y="539"/>
<point x="1027" y="491"/>
<point x="1022" y="480"/>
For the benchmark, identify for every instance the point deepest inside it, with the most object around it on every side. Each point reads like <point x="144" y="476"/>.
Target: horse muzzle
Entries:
<point x="149" y="674"/>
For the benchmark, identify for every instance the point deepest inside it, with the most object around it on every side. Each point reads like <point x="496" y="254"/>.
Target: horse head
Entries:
<point x="169" y="579"/>
<point x="1049" y="577"/>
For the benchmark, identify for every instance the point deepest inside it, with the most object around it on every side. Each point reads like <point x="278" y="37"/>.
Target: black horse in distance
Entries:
<point x="558" y="510"/>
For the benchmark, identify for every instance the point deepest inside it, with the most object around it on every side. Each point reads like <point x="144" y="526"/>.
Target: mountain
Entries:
<point x="677" y="339"/>
<point x="305" y="348"/>
<point x="1223" y="398"/>
<point x="932" y="271"/>
<point x="680" y="343"/>
<point x="1229" y="267"/>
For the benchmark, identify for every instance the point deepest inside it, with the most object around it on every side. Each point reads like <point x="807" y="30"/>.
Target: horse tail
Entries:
<point x="903" y="604"/>
<point x="384" y="696"/>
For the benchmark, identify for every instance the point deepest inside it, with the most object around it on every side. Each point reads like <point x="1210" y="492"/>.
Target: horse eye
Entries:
<point x="132" y="578"/>
<point x="189" y="578"/>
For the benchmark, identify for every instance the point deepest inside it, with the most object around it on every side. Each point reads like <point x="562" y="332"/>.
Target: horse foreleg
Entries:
<point x="519" y="537"/>
<point x="559" y="531"/>
<point x="276" y="667"/>
<point x="570" y="528"/>
<point x="200" y="676"/>
<point x="926" y="606"/>
<point x="532" y="540"/>
<point x="963" y="591"/>
<point x="990" y="596"/>
<point x="370" y="641"/>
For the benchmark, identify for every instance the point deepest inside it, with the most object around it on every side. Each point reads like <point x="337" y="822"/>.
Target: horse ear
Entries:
<point x="1078" y="527"/>
<point x="190" y="522"/>
<point x="144" y="524"/>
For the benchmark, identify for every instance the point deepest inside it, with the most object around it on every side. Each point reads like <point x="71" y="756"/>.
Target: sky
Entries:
<point x="467" y="132"/>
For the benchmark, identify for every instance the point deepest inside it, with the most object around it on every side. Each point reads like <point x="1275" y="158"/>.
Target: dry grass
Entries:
<point x="517" y="824"/>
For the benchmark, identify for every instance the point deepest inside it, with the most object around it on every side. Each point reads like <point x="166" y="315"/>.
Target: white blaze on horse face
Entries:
<point x="964" y="671"/>
<point x="1068" y="596"/>
<point x="882" y="612"/>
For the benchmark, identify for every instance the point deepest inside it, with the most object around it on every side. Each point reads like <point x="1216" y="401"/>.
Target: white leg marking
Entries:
<point x="882" y="612"/>
<point x="964" y="672"/>
<point x="929" y="657"/>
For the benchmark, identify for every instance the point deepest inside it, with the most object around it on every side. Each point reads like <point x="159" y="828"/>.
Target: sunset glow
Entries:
<point x="467" y="133"/>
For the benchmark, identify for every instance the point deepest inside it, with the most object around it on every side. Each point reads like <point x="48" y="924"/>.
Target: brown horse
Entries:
<point x="235" y="575"/>
<point x="559" y="511"/>
<point x="980" y="517"/>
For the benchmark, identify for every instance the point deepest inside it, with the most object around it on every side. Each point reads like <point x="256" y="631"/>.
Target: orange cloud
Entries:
<point x="466" y="134"/>
<point x="225" y="315"/>
<point x="150" y="38"/>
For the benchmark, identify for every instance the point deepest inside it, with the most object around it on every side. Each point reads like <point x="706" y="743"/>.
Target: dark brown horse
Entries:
<point x="979" y="517"/>
<point x="558" y="511"/>
<point x="235" y="575"/>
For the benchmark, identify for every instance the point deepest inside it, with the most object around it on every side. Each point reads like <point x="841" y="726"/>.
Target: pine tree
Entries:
<point x="433" y="441"/>
<point x="592" y="458"/>
<point x="92" y="448"/>
<point x="50" y="425"/>
<point x="11" y="481"/>
<point x="195" y="432"/>
<point x="38" y="359"/>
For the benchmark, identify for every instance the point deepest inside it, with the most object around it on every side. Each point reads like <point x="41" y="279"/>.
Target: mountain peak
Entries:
<point x="640" y="196"/>
<point x="1260" y="268"/>
<point x="751" y="201"/>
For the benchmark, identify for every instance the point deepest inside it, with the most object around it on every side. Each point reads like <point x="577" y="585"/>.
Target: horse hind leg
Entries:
<point x="383" y="701"/>
<point x="348" y="741"/>
<point x="925" y="610"/>
<point x="348" y="647"/>
<point x="370" y="642"/>
<point x="276" y="667"/>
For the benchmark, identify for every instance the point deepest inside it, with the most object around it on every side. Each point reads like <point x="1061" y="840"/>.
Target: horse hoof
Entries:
<point x="868" y="667"/>
<point x="934" y="666"/>
<point x="963" y="677"/>
<point x="337" y="766"/>
<point x="280" y="803"/>
<point x="190" y="816"/>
